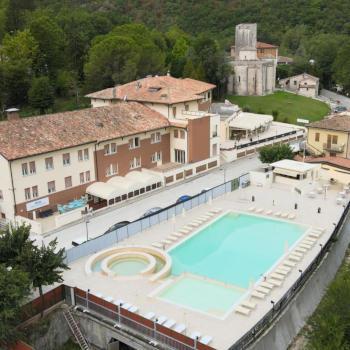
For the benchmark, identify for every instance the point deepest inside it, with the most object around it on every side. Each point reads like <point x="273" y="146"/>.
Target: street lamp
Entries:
<point x="87" y="216"/>
<point x="224" y="169"/>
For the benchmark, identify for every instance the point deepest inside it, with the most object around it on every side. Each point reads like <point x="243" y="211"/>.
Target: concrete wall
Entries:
<point x="282" y="333"/>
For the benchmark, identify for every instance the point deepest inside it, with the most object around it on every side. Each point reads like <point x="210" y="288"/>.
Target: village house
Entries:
<point x="302" y="84"/>
<point x="96" y="157"/>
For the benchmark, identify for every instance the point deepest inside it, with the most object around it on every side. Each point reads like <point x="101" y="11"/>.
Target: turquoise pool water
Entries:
<point x="128" y="267"/>
<point x="235" y="249"/>
<point x="206" y="296"/>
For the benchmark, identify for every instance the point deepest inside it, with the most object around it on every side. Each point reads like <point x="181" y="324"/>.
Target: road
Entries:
<point x="333" y="97"/>
<point x="100" y="223"/>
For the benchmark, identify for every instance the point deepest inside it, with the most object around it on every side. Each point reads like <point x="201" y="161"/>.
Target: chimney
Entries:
<point x="12" y="114"/>
<point x="115" y="92"/>
<point x="168" y="73"/>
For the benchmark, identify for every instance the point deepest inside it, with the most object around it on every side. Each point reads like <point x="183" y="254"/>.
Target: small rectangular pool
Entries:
<point x="236" y="249"/>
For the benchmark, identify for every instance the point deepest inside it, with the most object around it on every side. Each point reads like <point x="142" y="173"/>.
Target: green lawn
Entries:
<point x="289" y="106"/>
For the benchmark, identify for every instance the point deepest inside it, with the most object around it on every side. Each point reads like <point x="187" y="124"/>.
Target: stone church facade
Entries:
<point x="253" y="63"/>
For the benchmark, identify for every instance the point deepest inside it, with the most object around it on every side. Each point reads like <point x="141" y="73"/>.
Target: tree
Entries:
<point x="15" y="14"/>
<point x="41" y="94"/>
<point x="17" y="56"/>
<point x="14" y="289"/>
<point x="44" y="265"/>
<point x="14" y="240"/>
<point x="273" y="153"/>
<point x="113" y="59"/>
<point x="341" y="66"/>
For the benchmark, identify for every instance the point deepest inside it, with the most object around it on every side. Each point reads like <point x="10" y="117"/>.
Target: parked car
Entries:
<point x="117" y="225"/>
<point x="183" y="198"/>
<point x="339" y="109"/>
<point x="151" y="211"/>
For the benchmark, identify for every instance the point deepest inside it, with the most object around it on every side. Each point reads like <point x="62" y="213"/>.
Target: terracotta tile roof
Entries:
<point x="340" y="162"/>
<point x="157" y="89"/>
<point x="339" y="122"/>
<point x="261" y="45"/>
<point x="41" y="134"/>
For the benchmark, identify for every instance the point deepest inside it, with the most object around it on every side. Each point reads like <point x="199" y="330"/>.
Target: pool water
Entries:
<point x="206" y="296"/>
<point x="235" y="249"/>
<point x="128" y="267"/>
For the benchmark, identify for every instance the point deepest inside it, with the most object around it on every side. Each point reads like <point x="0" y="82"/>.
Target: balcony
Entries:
<point x="333" y="148"/>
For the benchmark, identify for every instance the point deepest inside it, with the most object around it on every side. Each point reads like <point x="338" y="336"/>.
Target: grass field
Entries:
<point x="289" y="106"/>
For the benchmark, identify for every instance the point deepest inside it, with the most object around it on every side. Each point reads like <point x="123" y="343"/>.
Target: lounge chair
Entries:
<point x="300" y="255"/>
<point x="179" y="328"/>
<point x="300" y="250"/>
<point x="274" y="282"/>
<point x="178" y="234"/>
<point x="217" y="210"/>
<point x="289" y="263"/>
<point x="169" y="323"/>
<point x="133" y="309"/>
<point x="291" y="216"/>
<point x="206" y="339"/>
<point x="294" y="257"/>
<point x="281" y="272"/>
<point x="251" y="209"/>
<point x="197" y="221"/>
<point x="314" y="235"/>
<point x="277" y="276"/>
<point x="184" y="231"/>
<point x="188" y="227"/>
<point x="262" y="290"/>
<point x="259" y="210"/>
<point x="161" y="320"/>
<point x="193" y="224"/>
<point x="266" y="285"/>
<point x="242" y="310"/>
<point x="195" y="335"/>
<point x="172" y="238"/>
<point x="210" y="214"/>
<point x="305" y="245"/>
<point x="166" y="241"/>
<point x="310" y="240"/>
<point x="157" y="245"/>
<point x="257" y="294"/>
<point x="277" y="213"/>
<point x="268" y="212"/>
<point x="284" y="215"/>
<point x="285" y="268"/>
<point x="248" y="304"/>
<point x="150" y="315"/>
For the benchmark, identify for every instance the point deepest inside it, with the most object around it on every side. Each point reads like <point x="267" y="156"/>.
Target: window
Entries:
<point x="87" y="176"/>
<point x="82" y="178"/>
<point x="215" y="149"/>
<point x="239" y="79"/>
<point x="51" y="187"/>
<point x="35" y="191"/>
<point x="107" y="150"/>
<point x="317" y="137"/>
<point x="155" y="137"/>
<point x="86" y="154"/>
<point x="182" y="134"/>
<point x="1" y="195"/>
<point x="334" y="139"/>
<point x="135" y="163"/>
<point x="134" y="142"/>
<point x="49" y="163"/>
<point x="112" y="169"/>
<point x="66" y="159"/>
<point x="27" y="193"/>
<point x="24" y="169"/>
<point x="174" y="112"/>
<point x="113" y="148"/>
<point x="215" y="131"/>
<point x="80" y="155"/>
<point x="180" y="156"/>
<point x="295" y="82"/>
<point x="156" y="157"/>
<point x="68" y="181"/>
<point x="176" y="133"/>
<point x="32" y="168"/>
<point x="187" y="107"/>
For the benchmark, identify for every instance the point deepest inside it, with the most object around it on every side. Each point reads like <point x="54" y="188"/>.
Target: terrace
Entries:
<point x="142" y="292"/>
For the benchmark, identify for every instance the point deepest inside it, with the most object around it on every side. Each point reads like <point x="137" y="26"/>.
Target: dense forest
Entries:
<point x="57" y="50"/>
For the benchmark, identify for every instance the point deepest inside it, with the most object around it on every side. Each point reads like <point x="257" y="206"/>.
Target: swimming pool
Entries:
<point x="236" y="249"/>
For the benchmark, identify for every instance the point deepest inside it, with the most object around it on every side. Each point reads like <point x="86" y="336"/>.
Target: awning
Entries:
<point x="103" y="190"/>
<point x="125" y="185"/>
<point x="286" y="172"/>
<point x="147" y="179"/>
<point x="250" y="121"/>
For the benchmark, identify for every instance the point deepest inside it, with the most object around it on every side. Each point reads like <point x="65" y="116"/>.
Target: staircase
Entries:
<point x="75" y="330"/>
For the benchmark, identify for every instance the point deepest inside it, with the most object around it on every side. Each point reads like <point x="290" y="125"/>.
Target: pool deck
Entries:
<point x="225" y="332"/>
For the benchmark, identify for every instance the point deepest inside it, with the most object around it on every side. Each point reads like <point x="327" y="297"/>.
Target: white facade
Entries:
<point x="302" y="84"/>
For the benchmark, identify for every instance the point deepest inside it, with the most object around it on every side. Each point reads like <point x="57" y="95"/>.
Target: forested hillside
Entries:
<point x="54" y="50"/>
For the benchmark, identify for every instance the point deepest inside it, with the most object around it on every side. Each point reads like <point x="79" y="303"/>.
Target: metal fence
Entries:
<point x="150" y="331"/>
<point x="267" y="139"/>
<point x="113" y="237"/>
<point x="259" y="328"/>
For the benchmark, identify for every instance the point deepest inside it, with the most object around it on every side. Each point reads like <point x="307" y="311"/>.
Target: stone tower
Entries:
<point x="253" y="74"/>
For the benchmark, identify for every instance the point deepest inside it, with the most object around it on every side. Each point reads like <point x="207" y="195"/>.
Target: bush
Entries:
<point x="273" y="153"/>
<point x="275" y="114"/>
<point x="285" y="120"/>
<point x="246" y="109"/>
